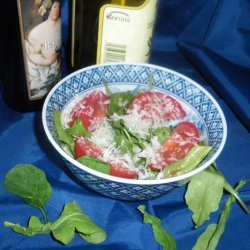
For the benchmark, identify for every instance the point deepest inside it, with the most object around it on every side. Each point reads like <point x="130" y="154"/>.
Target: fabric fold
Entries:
<point x="217" y="43"/>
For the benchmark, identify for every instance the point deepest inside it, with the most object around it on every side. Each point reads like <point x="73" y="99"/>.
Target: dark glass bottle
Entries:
<point x="30" y="42"/>
<point x="83" y="28"/>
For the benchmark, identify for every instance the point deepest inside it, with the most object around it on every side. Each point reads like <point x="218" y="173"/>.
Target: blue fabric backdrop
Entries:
<point x="205" y="40"/>
<point x="216" y="42"/>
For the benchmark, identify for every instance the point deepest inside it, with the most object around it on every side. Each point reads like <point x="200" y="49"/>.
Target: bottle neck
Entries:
<point x="134" y="3"/>
<point x="119" y="2"/>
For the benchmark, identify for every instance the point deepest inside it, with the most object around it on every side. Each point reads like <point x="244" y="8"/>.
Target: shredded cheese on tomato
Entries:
<point x="103" y="135"/>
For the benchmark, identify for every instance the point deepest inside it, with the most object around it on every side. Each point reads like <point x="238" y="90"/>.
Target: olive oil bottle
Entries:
<point x="104" y="31"/>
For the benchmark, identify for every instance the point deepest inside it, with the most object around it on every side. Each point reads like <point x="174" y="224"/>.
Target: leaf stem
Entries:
<point x="231" y="190"/>
<point x="44" y="215"/>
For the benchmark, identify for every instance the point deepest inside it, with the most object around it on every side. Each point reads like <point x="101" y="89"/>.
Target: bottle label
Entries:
<point x="125" y="33"/>
<point x="40" y="26"/>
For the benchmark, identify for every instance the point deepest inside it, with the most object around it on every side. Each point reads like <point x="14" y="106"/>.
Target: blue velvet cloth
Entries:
<point x="217" y="44"/>
<point x="223" y="72"/>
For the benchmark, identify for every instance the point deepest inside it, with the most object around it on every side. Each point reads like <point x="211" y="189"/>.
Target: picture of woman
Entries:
<point x="43" y="45"/>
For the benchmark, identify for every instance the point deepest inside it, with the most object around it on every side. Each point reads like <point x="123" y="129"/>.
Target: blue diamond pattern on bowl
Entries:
<point x="120" y="191"/>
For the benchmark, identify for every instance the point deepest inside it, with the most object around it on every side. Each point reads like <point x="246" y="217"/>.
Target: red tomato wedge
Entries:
<point x="119" y="170"/>
<point x="182" y="139"/>
<point x="157" y="107"/>
<point x="83" y="147"/>
<point x="91" y="110"/>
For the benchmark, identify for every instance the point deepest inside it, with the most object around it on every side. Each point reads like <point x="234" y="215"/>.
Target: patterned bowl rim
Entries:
<point x="123" y="180"/>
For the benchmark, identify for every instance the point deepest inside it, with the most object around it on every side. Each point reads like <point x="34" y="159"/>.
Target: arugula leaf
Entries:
<point x="224" y="217"/>
<point x="66" y="136"/>
<point x="107" y="89"/>
<point x="231" y="191"/>
<point x="95" y="164"/>
<point x="34" y="227"/>
<point x="118" y="102"/>
<point x="124" y="139"/>
<point x="124" y="144"/>
<point x="203" y="195"/>
<point x="229" y="188"/>
<point x="63" y="229"/>
<point x="165" y="239"/>
<point x="71" y="219"/>
<point x="118" y="126"/>
<point x="78" y="129"/>
<point x="210" y="238"/>
<point x="63" y="136"/>
<point x="29" y="183"/>
<point x="203" y="241"/>
<point x="162" y="133"/>
<point x="193" y="158"/>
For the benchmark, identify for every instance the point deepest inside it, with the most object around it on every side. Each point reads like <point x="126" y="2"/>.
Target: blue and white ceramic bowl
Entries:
<point x="202" y="109"/>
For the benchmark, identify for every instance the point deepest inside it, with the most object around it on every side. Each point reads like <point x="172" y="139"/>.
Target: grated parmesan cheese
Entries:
<point x="137" y="125"/>
<point x="103" y="135"/>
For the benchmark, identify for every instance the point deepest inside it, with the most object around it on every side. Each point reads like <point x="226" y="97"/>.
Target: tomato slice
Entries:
<point x="83" y="147"/>
<point x="119" y="170"/>
<point x="91" y="110"/>
<point x="157" y="107"/>
<point x="182" y="139"/>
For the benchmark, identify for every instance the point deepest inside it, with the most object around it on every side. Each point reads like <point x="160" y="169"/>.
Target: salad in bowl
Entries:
<point x="138" y="134"/>
<point x="133" y="131"/>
